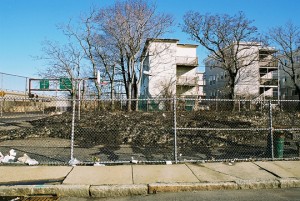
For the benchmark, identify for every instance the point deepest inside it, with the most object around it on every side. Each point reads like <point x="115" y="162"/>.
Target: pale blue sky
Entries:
<point x="24" y="24"/>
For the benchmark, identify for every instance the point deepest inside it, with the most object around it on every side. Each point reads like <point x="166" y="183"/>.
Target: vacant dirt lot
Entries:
<point x="114" y="136"/>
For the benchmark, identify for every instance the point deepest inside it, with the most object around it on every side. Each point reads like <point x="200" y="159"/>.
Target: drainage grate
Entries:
<point x="41" y="198"/>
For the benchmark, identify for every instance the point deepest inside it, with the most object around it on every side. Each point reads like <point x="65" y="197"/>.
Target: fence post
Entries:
<point x="271" y="131"/>
<point x="72" y="131"/>
<point x="175" y="130"/>
<point x="43" y="105"/>
<point x="1" y="111"/>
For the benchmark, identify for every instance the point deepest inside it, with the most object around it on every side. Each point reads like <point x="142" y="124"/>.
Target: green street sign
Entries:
<point x="44" y="84"/>
<point x="65" y="83"/>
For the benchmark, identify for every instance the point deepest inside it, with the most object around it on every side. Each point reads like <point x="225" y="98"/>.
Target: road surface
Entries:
<point x="291" y="194"/>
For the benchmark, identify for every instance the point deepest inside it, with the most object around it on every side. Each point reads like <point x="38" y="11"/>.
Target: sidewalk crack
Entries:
<point x="272" y="173"/>
<point x="68" y="174"/>
<point x="192" y="172"/>
<point x="132" y="178"/>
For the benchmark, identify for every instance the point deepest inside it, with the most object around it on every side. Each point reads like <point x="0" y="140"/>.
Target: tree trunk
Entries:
<point x="135" y="91"/>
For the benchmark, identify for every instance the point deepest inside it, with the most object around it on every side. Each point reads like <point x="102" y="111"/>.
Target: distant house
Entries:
<point x="169" y="69"/>
<point x="287" y="85"/>
<point x="257" y="80"/>
<point x="201" y="85"/>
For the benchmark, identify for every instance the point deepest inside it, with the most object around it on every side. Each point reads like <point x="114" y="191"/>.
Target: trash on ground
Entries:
<point x="134" y="161"/>
<point x="12" y="152"/>
<point x="1" y="157"/>
<point x="74" y="162"/>
<point x="169" y="162"/>
<point x="11" y="158"/>
<point x="27" y="160"/>
<point x="98" y="164"/>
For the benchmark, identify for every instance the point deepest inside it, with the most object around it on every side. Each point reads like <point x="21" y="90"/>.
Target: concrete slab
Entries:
<point x="31" y="174"/>
<point x="242" y="170"/>
<point x="95" y="175"/>
<point x="205" y="174"/>
<point x="284" y="169"/>
<point x="145" y="174"/>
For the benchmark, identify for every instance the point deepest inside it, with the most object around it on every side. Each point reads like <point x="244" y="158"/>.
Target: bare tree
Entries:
<point x="62" y="61"/>
<point x="106" y="56"/>
<point x="84" y="34"/>
<point x="129" y="23"/>
<point x="287" y="40"/>
<point x="228" y="39"/>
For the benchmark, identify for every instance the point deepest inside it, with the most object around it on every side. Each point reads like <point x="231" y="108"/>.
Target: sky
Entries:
<point x="25" y="24"/>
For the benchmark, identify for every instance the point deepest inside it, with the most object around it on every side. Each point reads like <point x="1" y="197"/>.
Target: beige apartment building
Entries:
<point x="258" y="80"/>
<point x="169" y="69"/>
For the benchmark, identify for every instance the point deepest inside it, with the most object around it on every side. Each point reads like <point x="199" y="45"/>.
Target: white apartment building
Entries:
<point x="258" y="80"/>
<point x="169" y="68"/>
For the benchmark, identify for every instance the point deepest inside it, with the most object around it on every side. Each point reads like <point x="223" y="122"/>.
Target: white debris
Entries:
<point x="1" y="157"/>
<point x="12" y="152"/>
<point x="8" y="159"/>
<point x="27" y="160"/>
<point x="98" y="164"/>
<point x="32" y="162"/>
<point x="74" y="162"/>
<point x="169" y="162"/>
<point x="134" y="161"/>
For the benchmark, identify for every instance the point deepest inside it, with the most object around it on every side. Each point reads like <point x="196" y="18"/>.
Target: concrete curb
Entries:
<point x="289" y="183"/>
<point x="118" y="190"/>
<point x="59" y="190"/>
<point x="256" y="184"/>
<point x="177" y="187"/>
<point x="103" y="191"/>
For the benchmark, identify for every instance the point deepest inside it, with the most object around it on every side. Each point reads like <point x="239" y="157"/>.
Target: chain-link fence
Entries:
<point x="57" y="131"/>
<point x="13" y="84"/>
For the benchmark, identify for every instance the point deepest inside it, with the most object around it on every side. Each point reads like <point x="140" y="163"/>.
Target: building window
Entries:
<point x="210" y="80"/>
<point x="294" y="92"/>
<point x="222" y="75"/>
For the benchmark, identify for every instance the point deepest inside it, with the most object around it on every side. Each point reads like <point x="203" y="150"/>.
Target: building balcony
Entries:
<point x="269" y="82"/>
<point x="187" y="81"/>
<point x="268" y="63"/>
<point x="187" y="61"/>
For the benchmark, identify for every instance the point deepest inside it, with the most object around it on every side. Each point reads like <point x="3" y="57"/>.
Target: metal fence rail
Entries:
<point x="63" y="131"/>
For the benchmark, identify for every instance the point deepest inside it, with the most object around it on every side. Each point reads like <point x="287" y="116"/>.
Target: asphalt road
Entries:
<point x="291" y="194"/>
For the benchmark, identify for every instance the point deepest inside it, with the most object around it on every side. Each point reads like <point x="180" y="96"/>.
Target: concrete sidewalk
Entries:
<point x="136" y="179"/>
